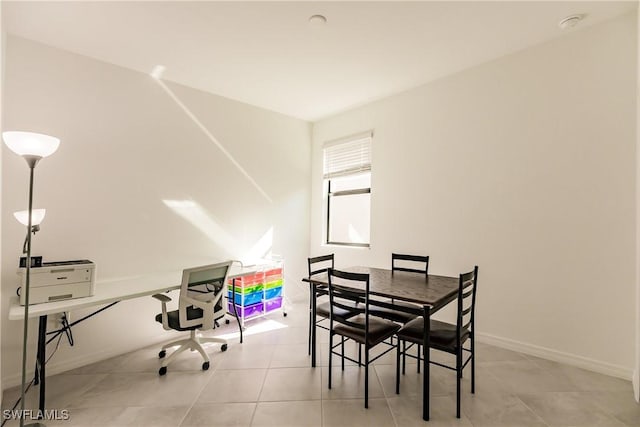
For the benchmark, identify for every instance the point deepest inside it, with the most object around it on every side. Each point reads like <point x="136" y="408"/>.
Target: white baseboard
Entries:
<point x="559" y="356"/>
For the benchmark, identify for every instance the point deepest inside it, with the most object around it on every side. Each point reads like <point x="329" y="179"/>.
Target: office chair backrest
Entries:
<point x="410" y="263"/>
<point x="345" y="287"/>
<point x="320" y="264"/>
<point x="204" y="283"/>
<point x="466" y="301"/>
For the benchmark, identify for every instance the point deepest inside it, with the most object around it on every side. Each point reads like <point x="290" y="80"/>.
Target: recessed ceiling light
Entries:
<point x="571" y="21"/>
<point x="318" y="20"/>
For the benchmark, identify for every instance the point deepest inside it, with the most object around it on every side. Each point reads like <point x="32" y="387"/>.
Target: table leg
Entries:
<point x="426" y="348"/>
<point x="41" y="356"/>
<point x="313" y="324"/>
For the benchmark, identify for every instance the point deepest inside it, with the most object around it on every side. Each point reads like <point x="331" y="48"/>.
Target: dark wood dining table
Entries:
<point x="430" y="293"/>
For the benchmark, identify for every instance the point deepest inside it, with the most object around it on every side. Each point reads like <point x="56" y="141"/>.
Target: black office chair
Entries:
<point x="366" y="330"/>
<point x="318" y="265"/>
<point x="408" y="263"/>
<point x="447" y="337"/>
<point x="203" y="301"/>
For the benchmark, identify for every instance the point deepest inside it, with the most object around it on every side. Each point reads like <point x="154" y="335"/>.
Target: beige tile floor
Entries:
<point x="268" y="381"/>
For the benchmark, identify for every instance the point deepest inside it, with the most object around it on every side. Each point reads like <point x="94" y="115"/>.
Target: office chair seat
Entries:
<point x="174" y="319"/>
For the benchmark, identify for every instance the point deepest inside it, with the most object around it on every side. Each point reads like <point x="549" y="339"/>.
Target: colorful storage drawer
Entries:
<point x="245" y="290"/>
<point x="273" y="304"/>
<point x="273" y="293"/>
<point x="248" y="280"/>
<point x="252" y="298"/>
<point x="247" y="311"/>
<point x="274" y="284"/>
<point x="272" y="275"/>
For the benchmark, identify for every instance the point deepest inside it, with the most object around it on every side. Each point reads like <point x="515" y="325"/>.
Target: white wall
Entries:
<point x="126" y="147"/>
<point x="526" y="167"/>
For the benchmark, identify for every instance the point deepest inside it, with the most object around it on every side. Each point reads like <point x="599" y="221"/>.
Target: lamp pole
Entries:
<point x="32" y="147"/>
<point x="32" y="161"/>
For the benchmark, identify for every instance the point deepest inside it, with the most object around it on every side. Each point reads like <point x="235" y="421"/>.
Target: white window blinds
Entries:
<point x="347" y="156"/>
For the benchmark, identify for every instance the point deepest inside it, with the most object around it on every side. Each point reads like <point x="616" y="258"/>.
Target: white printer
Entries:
<point x="56" y="281"/>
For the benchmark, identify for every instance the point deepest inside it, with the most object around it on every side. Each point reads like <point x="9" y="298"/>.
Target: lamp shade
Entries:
<point x="36" y="217"/>
<point x="30" y="143"/>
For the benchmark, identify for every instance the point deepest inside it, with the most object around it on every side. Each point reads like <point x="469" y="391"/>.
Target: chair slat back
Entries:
<point x="466" y="300"/>
<point x="410" y="263"/>
<point x="320" y="264"/>
<point x="343" y="287"/>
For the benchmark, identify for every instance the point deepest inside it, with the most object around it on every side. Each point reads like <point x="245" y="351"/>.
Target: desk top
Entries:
<point x="111" y="290"/>
<point x="432" y="290"/>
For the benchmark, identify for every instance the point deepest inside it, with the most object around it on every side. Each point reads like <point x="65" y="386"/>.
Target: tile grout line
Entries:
<point x="195" y="400"/>
<point x="386" y="397"/>
<point x="264" y="380"/>
<point x="530" y="409"/>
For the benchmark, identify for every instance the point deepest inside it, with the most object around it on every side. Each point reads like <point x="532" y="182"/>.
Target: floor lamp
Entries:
<point x="32" y="147"/>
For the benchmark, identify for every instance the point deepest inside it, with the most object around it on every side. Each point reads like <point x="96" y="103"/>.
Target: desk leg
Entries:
<point x="313" y="289"/>
<point x="42" y="356"/>
<point x="426" y="348"/>
<point x="235" y="310"/>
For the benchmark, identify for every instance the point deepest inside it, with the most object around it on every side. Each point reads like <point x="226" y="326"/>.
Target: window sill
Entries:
<point x="346" y="245"/>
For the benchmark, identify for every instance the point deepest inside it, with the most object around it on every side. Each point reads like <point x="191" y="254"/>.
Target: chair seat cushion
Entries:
<point x="391" y="314"/>
<point x="324" y="308"/>
<point x="441" y="337"/>
<point x="379" y="329"/>
<point x="173" y="318"/>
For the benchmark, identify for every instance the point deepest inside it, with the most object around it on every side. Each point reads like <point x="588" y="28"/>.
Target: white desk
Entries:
<point x="106" y="292"/>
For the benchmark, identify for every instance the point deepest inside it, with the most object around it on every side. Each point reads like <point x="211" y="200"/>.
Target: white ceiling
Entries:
<point x="267" y="54"/>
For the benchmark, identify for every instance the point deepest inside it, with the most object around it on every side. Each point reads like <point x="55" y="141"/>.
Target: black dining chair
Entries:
<point x="364" y="329"/>
<point x="447" y="337"/>
<point x="407" y="263"/>
<point x="317" y="265"/>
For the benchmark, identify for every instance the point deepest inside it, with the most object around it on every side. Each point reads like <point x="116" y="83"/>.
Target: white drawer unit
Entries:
<point x="56" y="281"/>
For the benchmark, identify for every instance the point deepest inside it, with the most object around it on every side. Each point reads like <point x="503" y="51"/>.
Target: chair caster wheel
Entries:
<point x="162" y="354"/>
<point x="226" y="321"/>
<point x="162" y="371"/>
<point x="223" y="347"/>
<point x="205" y="366"/>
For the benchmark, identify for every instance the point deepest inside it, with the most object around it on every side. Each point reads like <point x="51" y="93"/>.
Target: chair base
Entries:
<point x="193" y="343"/>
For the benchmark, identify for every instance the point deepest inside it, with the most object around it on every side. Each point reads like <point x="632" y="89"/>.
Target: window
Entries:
<point x="347" y="183"/>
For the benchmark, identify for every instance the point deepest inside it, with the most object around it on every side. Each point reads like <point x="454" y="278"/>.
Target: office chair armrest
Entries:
<point x="161" y="297"/>
<point x="164" y="300"/>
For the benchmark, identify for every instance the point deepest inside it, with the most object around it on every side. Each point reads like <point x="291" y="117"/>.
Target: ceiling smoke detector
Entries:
<point x="317" y="20"/>
<point x="571" y="21"/>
